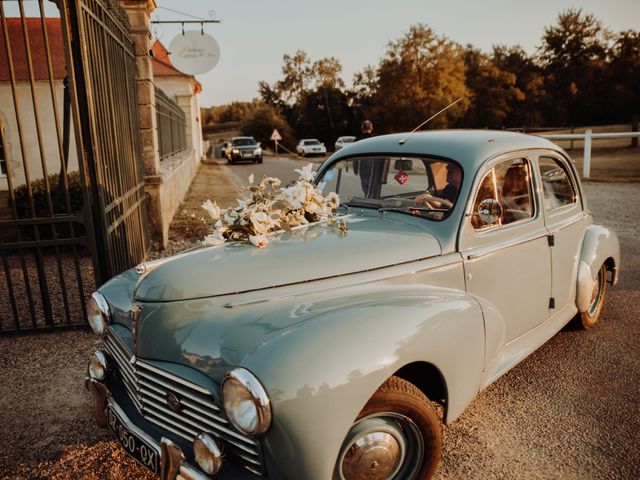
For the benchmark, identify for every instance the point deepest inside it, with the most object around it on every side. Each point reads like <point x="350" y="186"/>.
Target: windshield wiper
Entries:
<point x="415" y="211"/>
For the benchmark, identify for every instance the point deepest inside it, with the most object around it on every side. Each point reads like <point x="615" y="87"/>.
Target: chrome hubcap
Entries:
<point x="383" y="446"/>
<point x="373" y="456"/>
<point x="595" y="295"/>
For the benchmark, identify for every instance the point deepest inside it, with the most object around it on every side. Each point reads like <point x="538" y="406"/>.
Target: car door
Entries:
<point x="507" y="262"/>
<point x="566" y="222"/>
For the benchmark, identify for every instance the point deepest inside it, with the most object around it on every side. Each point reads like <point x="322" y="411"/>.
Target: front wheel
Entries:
<point x="590" y="317"/>
<point x="397" y="435"/>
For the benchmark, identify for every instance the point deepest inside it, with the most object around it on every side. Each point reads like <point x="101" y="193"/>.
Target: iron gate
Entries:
<point x="72" y="201"/>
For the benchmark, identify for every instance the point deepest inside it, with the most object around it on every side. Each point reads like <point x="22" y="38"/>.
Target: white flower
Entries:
<point x="273" y="182"/>
<point x="294" y="195"/>
<point x="259" y="240"/>
<point x="333" y="200"/>
<point x="215" y="238"/>
<point x="306" y="173"/>
<point x="212" y="209"/>
<point x="251" y="179"/>
<point x="230" y="216"/>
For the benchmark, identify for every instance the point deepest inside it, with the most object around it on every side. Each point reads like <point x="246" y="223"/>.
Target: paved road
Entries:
<point x="282" y="168"/>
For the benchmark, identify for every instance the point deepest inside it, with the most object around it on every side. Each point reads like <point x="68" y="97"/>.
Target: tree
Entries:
<point x="420" y="74"/>
<point x="623" y="77"/>
<point x="530" y="80"/>
<point x="261" y="123"/>
<point x="574" y="55"/>
<point x="493" y="91"/>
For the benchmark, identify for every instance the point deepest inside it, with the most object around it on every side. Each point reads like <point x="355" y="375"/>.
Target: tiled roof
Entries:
<point x="162" y="66"/>
<point x="161" y="60"/>
<point x="37" y="47"/>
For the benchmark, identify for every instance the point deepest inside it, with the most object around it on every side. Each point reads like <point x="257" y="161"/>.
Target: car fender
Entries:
<point x="599" y="245"/>
<point x="320" y="373"/>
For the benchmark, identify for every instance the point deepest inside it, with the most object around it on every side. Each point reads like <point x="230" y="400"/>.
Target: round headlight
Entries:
<point x="208" y="454"/>
<point x="98" y="313"/>
<point x="98" y="365"/>
<point x="246" y="402"/>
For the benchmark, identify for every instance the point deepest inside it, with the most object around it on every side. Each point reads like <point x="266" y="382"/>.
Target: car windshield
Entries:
<point x="311" y="142"/>
<point x="348" y="139"/>
<point x="243" y="142"/>
<point x="423" y="187"/>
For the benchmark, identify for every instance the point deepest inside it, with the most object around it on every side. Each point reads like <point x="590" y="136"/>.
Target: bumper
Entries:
<point x="173" y="453"/>
<point x="246" y="156"/>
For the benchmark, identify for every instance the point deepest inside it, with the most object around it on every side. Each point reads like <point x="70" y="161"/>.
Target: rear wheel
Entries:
<point x="397" y="435"/>
<point x="590" y="317"/>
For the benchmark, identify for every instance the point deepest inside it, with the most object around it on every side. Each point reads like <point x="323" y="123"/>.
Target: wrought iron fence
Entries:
<point x="72" y="201"/>
<point x="172" y="128"/>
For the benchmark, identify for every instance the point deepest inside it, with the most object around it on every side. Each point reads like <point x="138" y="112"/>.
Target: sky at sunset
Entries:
<point x="254" y="34"/>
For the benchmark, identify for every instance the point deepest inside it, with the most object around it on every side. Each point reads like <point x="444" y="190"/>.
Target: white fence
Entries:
<point x="587" y="136"/>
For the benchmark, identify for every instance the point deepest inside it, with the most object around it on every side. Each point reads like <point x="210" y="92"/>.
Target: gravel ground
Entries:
<point x="570" y="410"/>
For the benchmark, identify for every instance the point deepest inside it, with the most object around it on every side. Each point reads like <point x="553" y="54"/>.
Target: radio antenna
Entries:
<point x="404" y="139"/>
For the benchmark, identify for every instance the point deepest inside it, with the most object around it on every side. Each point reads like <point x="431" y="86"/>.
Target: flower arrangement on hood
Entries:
<point x="267" y="207"/>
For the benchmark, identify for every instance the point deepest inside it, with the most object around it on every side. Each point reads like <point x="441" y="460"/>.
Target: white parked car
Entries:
<point x="310" y="146"/>
<point x="343" y="142"/>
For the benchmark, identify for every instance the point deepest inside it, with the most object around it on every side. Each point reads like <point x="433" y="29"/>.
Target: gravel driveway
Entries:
<point x="568" y="411"/>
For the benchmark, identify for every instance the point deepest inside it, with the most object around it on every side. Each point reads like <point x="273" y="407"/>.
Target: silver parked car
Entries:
<point x="310" y="146"/>
<point x="343" y="142"/>
<point x="337" y="355"/>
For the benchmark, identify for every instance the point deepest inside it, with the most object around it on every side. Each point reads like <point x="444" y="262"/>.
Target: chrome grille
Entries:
<point x="148" y="387"/>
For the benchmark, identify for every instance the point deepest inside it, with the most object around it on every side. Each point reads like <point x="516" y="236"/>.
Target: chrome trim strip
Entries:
<point x="501" y="246"/>
<point x="167" y="375"/>
<point x="203" y="424"/>
<point x="151" y="411"/>
<point x="186" y="410"/>
<point x="374" y="275"/>
<point x="151" y="378"/>
<point x="164" y="425"/>
<point x="147" y="385"/>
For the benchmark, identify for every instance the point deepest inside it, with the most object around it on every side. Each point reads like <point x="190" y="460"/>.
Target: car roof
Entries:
<point x="469" y="147"/>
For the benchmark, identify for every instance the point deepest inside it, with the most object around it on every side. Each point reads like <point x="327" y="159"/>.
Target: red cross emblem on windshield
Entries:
<point x="401" y="177"/>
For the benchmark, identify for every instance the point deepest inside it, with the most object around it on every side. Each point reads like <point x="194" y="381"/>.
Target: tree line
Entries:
<point x="581" y="74"/>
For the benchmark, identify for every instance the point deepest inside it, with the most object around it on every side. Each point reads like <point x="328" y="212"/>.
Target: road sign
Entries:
<point x="275" y="136"/>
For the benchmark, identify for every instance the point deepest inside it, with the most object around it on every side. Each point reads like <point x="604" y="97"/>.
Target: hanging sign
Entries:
<point x="194" y="52"/>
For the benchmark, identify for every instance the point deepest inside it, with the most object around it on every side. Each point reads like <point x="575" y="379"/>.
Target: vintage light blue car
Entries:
<point x="338" y="355"/>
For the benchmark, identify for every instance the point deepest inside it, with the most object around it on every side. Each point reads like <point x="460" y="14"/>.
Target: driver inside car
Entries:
<point x="444" y="197"/>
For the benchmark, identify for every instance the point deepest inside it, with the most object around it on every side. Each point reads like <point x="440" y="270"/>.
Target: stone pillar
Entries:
<point x="139" y="12"/>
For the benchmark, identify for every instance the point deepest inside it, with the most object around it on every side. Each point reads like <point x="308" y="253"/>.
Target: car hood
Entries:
<point x="315" y="252"/>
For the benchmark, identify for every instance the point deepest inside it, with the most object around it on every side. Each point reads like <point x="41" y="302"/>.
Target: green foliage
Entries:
<point x="493" y="91"/>
<point x="420" y="74"/>
<point x="261" y="124"/>
<point x="41" y="198"/>
<point x="43" y="204"/>
<point x="581" y="74"/>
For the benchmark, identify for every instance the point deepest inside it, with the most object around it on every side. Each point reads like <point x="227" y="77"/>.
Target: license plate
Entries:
<point x="132" y="443"/>
<point x="247" y="155"/>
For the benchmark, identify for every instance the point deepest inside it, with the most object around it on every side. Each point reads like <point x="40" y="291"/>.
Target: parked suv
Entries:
<point x="244" y="148"/>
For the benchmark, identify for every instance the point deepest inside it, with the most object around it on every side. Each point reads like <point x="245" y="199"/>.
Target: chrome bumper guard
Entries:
<point x="172" y="464"/>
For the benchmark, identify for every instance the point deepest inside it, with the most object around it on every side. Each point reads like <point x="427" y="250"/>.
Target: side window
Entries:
<point x="509" y="183"/>
<point x="557" y="187"/>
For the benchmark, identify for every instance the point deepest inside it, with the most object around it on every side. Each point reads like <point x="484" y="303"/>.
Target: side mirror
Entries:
<point x="489" y="211"/>
<point x="403" y="164"/>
